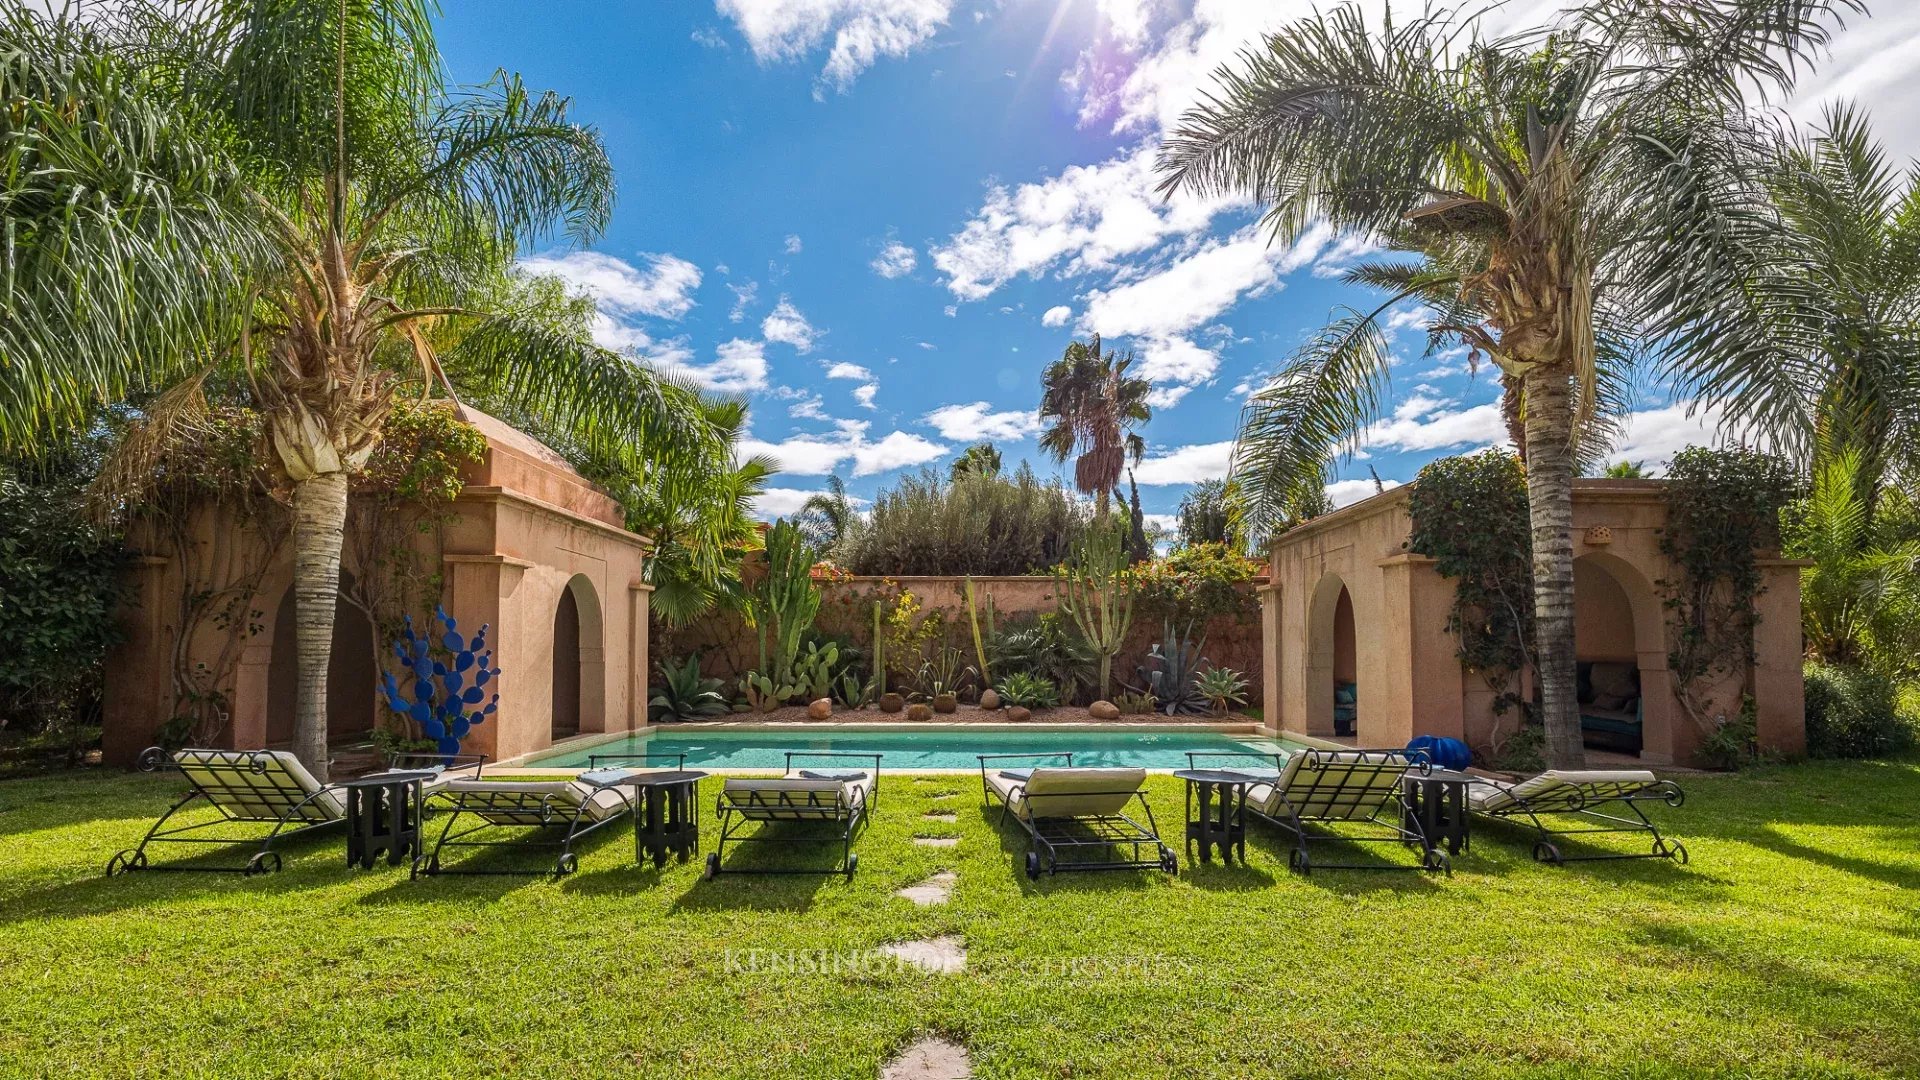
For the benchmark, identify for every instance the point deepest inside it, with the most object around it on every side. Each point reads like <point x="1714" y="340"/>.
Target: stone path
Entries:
<point x="930" y="1059"/>
<point x="937" y="889"/>
<point x="937" y="841"/>
<point x="942" y="817"/>
<point x="942" y="955"/>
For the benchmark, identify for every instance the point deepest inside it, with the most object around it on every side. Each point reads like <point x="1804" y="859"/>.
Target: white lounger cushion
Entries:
<point x="563" y="797"/>
<point x="231" y="781"/>
<point x="1069" y="792"/>
<point x="1336" y="786"/>
<point x="783" y="797"/>
<point x="1554" y="785"/>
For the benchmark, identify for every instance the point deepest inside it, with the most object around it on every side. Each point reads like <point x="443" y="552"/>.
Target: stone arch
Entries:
<point x="579" y="667"/>
<point x="1618" y="621"/>
<point x="352" y="671"/>
<point x="1331" y="658"/>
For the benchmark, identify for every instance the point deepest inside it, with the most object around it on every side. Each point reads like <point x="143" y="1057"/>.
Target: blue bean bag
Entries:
<point x="1443" y="753"/>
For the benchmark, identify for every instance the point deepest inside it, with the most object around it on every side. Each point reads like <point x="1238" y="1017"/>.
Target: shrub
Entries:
<point x="1196" y="583"/>
<point x="1028" y="691"/>
<point x="1853" y="713"/>
<point x="975" y="523"/>
<point x="1045" y="647"/>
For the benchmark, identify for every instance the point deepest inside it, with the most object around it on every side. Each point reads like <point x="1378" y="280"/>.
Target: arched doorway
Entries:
<point x="579" y="669"/>
<point x="351" y="672"/>
<point x="1619" y="655"/>
<point x="1332" y="662"/>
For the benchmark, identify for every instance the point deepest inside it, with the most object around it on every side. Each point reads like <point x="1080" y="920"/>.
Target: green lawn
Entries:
<point x="1791" y="946"/>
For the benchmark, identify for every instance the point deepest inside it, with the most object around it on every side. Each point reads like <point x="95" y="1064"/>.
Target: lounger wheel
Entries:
<point x="1298" y="862"/>
<point x="425" y="864"/>
<point x="1438" y="862"/>
<point x="713" y="867"/>
<point x="126" y="862"/>
<point x="853" y="863"/>
<point x="568" y="864"/>
<point x="1546" y="853"/>
<point x="151" y="759"/>
<point x="1675" y="851"/>
<point x="1169" y="862"/>
<point x="264" y="862"/>
<point x="1033" y="866"/>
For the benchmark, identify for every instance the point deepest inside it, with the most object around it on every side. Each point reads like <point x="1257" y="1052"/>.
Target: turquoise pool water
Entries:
<point x="920" y="748"/>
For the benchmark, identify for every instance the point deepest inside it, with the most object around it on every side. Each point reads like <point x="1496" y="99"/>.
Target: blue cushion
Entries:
<point x="1442" y="752"/>
<point x="842" y="775"/>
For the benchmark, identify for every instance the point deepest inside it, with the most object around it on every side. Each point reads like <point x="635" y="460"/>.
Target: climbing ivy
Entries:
<point x="1470" y="516"/>
<point x="1723" y="509"/>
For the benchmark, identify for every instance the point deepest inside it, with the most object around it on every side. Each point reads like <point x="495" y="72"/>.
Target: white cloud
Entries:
<point x="1423" y="422"/>
<point x="1176" y="360"/>
<point x="862" y="31"/>
<point x="1185" y="464"/>
<point x="785" y="324"/>
<point x="864" y="394"/>
<point x="792" y="244"/>
<point x="785" y="502"/>
<point x="743" y="298"/>
<point x="806" y="404"/>
<point x="661" y="288"/>
<point x="895" y="260"/>
<point x="950" y="310"/>
<point x="843" y="370"/>
<point x="1166" y="397"/>
<point x="819" y="455"/>
<point x="740" y="367"/>
<point x="1348" y="492"/>
<point x="1056" y="316"/>
<point x="977" y="420"/>
<point x="1652" y="436"/>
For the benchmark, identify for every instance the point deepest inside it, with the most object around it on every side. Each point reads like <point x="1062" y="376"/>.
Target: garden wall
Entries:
<point x="727" y="646"/>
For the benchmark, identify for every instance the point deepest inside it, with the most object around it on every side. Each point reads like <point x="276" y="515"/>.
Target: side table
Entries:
<point x="384" y="811"/>
<point x="1437" y="802"/>
<point x="1216" y="812"/>
<point x="666" y="814"/>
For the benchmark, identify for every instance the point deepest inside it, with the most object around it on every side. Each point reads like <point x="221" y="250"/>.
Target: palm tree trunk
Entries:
<point x="319" y="524"/>
<point x="1550" y="468"/>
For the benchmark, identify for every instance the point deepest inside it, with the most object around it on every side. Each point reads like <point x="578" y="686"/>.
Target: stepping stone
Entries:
<point x="943" y="955"/>
<point x="948" y="818"/>
<point x="930" y="1059"/>
<point x="937" y="841"/>
<point x="937" y="889"/>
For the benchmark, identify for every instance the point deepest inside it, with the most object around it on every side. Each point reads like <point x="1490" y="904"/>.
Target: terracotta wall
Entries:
<point x="727" y="648"/>
<point x="1409" y="676"/>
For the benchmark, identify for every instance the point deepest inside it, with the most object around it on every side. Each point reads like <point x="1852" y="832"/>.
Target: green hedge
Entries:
<point x="1853" y="713"/>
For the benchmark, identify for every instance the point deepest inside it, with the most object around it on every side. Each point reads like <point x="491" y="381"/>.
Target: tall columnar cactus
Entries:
<point x="979" y="643"/>
<point x="879" y="654"/>
<point x="783" y="604"/>
<point x="443" y="691"/>
<point x="1096" y="591"/>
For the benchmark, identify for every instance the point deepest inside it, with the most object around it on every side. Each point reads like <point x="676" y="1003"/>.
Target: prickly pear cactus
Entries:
<point x="444" y="693"/>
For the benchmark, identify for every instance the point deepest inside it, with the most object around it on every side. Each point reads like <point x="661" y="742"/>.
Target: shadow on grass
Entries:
<point x="778" y="866"/>
<point x="1772" y="840"/>
<point x="1374" y="872"/>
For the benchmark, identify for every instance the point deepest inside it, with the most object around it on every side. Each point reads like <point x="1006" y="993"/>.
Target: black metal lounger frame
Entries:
<point x="1580" y="799"/>
<point x="1395" y="827"/>
<point x="1049" y="836"/>
<point x="738" y="808"/>
<point x="229" y="773"/>
<point x="533" y="810"/>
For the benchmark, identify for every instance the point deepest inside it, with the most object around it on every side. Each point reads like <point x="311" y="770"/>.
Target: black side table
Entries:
<point x="383" y="814"/>
<point x="666" y="814"/>
<point x="1216" y="812"/>
<point x="1437" y="801"/>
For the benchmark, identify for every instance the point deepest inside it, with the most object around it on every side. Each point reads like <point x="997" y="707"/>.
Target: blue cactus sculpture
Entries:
<point x="444" y="710"/>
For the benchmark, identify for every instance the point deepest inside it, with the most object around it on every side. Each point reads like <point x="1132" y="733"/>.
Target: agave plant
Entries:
<point x="685" y="694"/>
<point x="1172" y="672"/>
<point x="1028" y="691"/>
<point x="1221" y="687"/>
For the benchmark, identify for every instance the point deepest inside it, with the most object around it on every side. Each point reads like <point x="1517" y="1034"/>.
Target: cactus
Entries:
<point x="979" y="643"/>
<point x="441" y="711"/>
<point x="879" y="654"/>
<point x="1096" y="591"/>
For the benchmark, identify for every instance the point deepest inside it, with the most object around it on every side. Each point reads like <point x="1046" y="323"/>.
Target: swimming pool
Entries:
<point x="931" y="747"/>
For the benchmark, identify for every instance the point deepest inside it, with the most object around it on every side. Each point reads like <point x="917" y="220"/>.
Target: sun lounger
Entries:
<point x="250" y="788"/>
<point x="1306" y="792"/>
<point x="829" y="802"/>
<point x="1073" y="812"/>
<point x="579" y="807"/>
<point x="1576" y="794"/>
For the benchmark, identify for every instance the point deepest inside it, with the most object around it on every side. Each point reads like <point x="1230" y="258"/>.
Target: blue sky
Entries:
<point x="879" y="219"/>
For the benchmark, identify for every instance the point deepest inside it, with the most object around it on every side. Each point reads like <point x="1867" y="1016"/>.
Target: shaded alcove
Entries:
<point x="351" y="673"/>
<point x="566" y="666"/>
<point x="1332" y="660"/>
<point x="1608" y="649"/>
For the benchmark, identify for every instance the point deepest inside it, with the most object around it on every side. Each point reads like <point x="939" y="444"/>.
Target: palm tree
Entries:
<point x="980" y="459"/>
<point x="291" y="192"/>
<point x="828" y="517"/>
<point x="1091" y="403"/>
<point x="1575" y="199"/>
<point x="1860" y="600"/>
<point x="1841" y="284"/>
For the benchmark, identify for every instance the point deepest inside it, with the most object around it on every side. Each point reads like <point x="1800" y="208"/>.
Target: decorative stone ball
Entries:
<point x="989" y="700"/>
<point x="1019" y="714"/>
<point x="1104" y="710"/>
<point x="821" y="709"/>
<point x="945" y="703"/>
<point x="892" y="702"/>
<point x="919" y="713"/>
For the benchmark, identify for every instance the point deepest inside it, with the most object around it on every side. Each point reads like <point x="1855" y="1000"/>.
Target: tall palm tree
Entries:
<point x="1576" y="198"/>
<point x="980" y="459"/>
<point x="828" y="517"/>
<point x="1842" y="285"/>
<point x="290" y="190"/>
<point x="1091" y="404"/>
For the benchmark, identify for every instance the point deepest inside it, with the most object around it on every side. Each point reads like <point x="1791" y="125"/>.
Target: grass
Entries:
<point x="1790" y="947"/>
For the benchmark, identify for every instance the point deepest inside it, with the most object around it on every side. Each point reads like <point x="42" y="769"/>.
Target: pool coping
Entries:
<point x="515" y="766"/>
